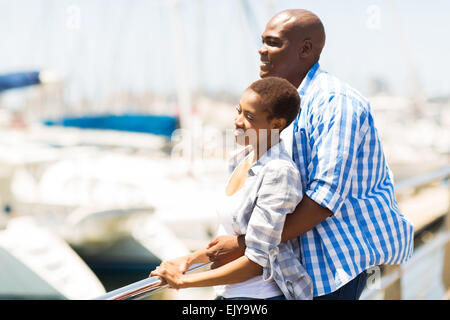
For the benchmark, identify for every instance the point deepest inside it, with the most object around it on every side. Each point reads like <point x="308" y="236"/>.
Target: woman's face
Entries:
<point x="251" y="124"/>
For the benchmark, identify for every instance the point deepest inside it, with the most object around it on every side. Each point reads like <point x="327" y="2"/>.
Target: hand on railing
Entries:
<point x="182" y="263"/>
<point x="143" y="288"/>
<point x="169" y="272"/>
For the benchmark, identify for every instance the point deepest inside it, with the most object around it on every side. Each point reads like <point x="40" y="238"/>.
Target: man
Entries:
<point x="348" y="219"/>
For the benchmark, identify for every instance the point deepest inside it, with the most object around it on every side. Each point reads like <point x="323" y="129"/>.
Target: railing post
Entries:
<point x="446" y="263"/>
<point x="394" y="290"/>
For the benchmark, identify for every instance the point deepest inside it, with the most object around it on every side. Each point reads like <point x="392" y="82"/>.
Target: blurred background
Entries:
<point x="114" y="119"/>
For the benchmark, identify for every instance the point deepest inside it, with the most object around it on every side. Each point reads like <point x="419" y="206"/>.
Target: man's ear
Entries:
<point x="305" y="49"/>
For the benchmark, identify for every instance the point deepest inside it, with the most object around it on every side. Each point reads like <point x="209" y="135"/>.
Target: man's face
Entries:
<point x="278" y="53"/>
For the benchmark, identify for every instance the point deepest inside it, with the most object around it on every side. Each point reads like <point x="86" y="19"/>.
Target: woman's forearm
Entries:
<point x="237" y="270"/>
<point x="198" y="256"/>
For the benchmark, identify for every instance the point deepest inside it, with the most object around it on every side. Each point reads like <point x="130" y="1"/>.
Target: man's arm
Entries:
<point x="305" y="217"/>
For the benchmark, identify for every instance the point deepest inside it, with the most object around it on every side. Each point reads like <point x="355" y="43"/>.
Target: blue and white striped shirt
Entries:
<point x="337" y="150"/>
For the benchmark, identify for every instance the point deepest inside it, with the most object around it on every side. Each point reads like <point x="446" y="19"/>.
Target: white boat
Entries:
<point x="117" y="209"/>
<point x="37" y="264"/>
<point x="94" y="181"/>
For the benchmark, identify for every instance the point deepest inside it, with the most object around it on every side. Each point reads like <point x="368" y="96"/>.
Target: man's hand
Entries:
<point x="224" y="249"/>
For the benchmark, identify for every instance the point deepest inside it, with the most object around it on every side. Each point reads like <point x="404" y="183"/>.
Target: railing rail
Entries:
<point x="390" y="279"/>
<point x="418" y="181"/>
<point x="143" y="288"/>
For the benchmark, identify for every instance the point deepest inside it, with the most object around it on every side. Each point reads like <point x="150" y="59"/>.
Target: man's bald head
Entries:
<point x="301" y="25"/>
<point x="292" y="43"/>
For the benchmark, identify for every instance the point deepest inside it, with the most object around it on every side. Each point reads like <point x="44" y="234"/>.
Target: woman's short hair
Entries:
<point x="280" y="96"/>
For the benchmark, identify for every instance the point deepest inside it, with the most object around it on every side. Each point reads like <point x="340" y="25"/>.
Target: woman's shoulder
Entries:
<point x="281" y="166"/>
<point x="281" y="171"/>
<point x="280" y="160"/>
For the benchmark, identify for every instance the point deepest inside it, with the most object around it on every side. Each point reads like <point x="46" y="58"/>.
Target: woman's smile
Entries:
<point x="239" y="132"/>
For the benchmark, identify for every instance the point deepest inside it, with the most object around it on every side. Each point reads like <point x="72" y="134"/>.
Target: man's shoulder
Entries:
<point x="329" y="91"/>
<point x="327" y="86"/>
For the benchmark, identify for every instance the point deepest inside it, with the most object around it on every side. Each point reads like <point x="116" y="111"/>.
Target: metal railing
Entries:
<point x="144" y="288"/>
<point x="394" y="276"/>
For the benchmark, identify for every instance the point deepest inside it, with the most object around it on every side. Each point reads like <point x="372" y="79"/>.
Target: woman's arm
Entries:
<point x="183" y="263"/>
<point x="305" y="217"/>
<point x="198" y="256"/>
<point x="236" y="271"/>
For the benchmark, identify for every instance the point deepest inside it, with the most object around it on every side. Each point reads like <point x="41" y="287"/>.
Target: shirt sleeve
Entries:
<point x="338" y="130"/>
<point x="279" y="194"/>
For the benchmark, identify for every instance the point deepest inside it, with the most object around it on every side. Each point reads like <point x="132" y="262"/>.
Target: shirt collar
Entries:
<point x="273" y="153"/>
<point x="308" y="79"/>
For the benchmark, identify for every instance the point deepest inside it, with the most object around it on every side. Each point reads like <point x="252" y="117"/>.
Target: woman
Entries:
<point x="263" y="187"/>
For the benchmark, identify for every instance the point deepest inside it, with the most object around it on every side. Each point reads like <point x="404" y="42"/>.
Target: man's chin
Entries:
<point x="264" y="74"/>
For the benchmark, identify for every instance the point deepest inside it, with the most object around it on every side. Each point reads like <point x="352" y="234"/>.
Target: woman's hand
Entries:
<point x="224" y="249"/>
<point x="170" y="272"/>
<point x="183" y="263"/>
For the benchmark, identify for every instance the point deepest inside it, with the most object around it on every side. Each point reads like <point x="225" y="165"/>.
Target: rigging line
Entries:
<point x="252" y="29"/>
<point x="418" y="94"/>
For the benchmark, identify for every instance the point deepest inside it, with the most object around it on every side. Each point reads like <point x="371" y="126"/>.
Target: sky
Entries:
<point x="104" y="46"/>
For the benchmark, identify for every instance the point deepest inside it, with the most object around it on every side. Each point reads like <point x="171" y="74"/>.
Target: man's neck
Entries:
<point x="301" y="76"/>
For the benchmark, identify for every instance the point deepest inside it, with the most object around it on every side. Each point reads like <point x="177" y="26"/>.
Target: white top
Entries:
<point x="271" y="191"/>
<point x="255" y="287"/>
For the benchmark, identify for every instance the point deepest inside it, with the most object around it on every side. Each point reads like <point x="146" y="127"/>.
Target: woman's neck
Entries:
<point x="258" y="152"/>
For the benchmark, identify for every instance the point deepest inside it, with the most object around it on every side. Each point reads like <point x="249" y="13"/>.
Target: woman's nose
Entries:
<point x="238" y="120"/>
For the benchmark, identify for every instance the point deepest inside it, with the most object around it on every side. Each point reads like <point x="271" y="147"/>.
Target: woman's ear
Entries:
<point x="278" y="123"/>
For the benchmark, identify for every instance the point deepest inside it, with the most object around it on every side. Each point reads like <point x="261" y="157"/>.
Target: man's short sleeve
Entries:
<point x="336" y="135"/>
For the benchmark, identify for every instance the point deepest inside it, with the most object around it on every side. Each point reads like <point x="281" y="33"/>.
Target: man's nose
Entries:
<point x="263" y="49"/>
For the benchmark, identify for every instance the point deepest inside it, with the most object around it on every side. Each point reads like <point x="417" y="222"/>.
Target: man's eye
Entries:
<point x="272" y="42"/>
<point x="238" y="109"/>
<point x="268" y="42"/>
<point x="249" y="116"/>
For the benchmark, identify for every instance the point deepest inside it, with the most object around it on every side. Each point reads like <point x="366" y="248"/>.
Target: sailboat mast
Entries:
<point x="183" y="91"/>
